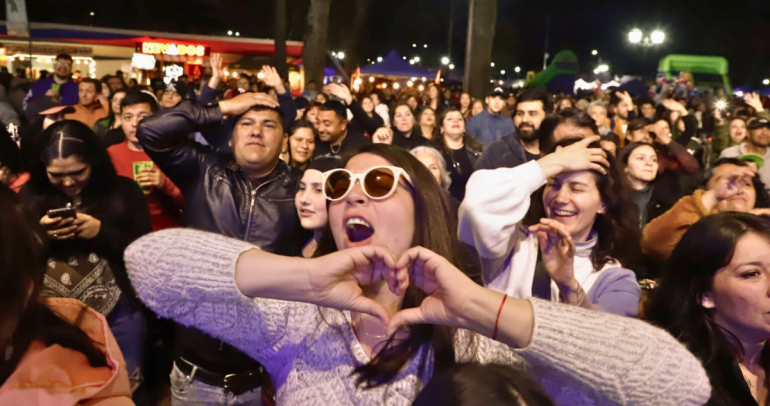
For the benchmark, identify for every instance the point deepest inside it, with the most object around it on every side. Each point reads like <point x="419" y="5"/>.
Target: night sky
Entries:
<point x="736" y="29"/>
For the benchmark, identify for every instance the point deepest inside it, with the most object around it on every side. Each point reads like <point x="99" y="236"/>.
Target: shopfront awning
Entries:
<point x="130" y="38"/>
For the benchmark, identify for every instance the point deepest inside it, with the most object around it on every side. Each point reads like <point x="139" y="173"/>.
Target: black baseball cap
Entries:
<point x="758" y="123"/>
<point x="498" y="91"/>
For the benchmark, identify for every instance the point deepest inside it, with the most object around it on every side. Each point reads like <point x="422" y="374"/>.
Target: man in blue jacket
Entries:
<point x="489" y="125"/>
<point x="59" y="88"/>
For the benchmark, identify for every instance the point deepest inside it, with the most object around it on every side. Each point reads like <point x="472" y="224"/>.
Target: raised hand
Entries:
<point x="335" y="280"/>
<point x="449" y="290"/>
<point x="243" y="102"/>
<point x="662" y="134"/>
<point x="625" y="98"/>
<point x="558" y="251"/>
<point x="574" y="158"/>
<point x="383" y="135"/>
<point x="273" y="79"/>
<point x="673" y="105"/>
<point x="753" y="100"/>
<point x="731" y="183"/>
<point x="341" y="92"/>
<point x="216" y="66"/>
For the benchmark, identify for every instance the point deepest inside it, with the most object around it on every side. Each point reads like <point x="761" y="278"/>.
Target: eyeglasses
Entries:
<point x="378" y="183"/>
<point x="63" y="63"/>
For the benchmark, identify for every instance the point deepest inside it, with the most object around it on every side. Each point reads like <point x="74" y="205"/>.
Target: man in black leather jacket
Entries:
<point x="248" y="194"/>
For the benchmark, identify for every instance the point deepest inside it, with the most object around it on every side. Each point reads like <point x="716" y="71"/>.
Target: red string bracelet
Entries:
<point x="494" y="335"/>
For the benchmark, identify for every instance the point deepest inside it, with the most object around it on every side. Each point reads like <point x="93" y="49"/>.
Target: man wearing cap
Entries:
<point x="756" y="143"/>
<point x="490" y="125"/>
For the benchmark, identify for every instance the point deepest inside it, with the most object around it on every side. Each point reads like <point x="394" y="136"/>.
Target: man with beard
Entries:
<point x="336" y="137"/>
<point x="55" y="89"/>
<point x="523" y="145"/>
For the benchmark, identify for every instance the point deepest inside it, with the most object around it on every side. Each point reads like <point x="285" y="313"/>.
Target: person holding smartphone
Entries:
<point x="90" y="215"/>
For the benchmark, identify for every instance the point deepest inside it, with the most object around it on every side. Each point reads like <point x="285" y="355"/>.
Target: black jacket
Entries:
<point x="507" y="152"/>
<point x="220" y="197"/>
<point x="122" y="209"/>
<point x="354" y="140"/>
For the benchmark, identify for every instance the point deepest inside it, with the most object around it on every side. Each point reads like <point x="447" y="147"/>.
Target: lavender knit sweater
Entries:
<point x="581" y="357"/>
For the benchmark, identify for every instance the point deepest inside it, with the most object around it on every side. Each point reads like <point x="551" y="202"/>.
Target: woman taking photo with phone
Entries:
<point x="382" y="306"/>
<point x="91" y="215"/>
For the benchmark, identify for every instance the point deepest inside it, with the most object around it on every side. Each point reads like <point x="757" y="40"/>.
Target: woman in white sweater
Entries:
<point x="369" y="324"/>
<point x="565" y="244"/>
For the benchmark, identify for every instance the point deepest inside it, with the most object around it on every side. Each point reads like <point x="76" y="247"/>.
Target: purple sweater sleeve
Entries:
<point x="616" y="291"/>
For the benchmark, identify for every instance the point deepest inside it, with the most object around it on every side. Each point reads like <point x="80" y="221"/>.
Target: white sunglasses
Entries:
<point x="378" y="183"/>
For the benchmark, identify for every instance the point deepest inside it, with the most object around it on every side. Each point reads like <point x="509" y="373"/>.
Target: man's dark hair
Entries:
<point x="137" y="97"/>
<point x="540" y="95"/>
<point x="97" y="84"/>
<point x="637" y="124"/>
<point x="573" y="117"/>
<point x="646" y="100"/>
<point x="338" y="108"/>
<point x="66" y="57"/>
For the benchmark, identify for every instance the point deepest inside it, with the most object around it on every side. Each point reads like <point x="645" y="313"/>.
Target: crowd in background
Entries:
<point x="505" y="246"/>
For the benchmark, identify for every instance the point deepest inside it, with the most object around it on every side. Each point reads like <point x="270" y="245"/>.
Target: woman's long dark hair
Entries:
<point x="483" y="384"/>
<point x="707" y="247"/>
<point x="618" y="228"/>
<point x="62" y="140"/>
<point x="24" y="317"/>
<point x="433" y="231"/>
<point x="470" y="142"/>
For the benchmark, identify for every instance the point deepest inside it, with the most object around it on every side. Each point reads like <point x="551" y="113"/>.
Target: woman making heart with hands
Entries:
<point x="384" y="305"/>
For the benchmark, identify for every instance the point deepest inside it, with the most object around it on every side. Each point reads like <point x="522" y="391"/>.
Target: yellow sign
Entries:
<point x="159" y="48"/>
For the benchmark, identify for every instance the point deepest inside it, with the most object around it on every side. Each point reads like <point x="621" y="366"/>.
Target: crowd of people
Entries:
<point x="218" y="241"/>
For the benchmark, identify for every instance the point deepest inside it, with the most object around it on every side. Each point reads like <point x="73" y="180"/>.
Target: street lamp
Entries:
<point x="635" y="36"/>
<point x="451" y="66"/>
<point x="766" y="82"/>
<point x="492" y="64"/>
<point x="371" y="79"/>
<point x="411" y="61"/>
<point x="230" y="32"/>
<point x="417" y="59"/>
<point x="93" y="14"/>
<point x="657" y="37"/>
<point x="601" y="69"/>
<point x="445" y="61"/>
<point x="237" y="34"/>
<point x="594" y="52"/>
<point x="502" y="72"/>
<point x="379" y="59"/>
<point x="517" y="69"/>
<point x="425" y="46"/>
<point x="340" y="55"/>
<point x="414" y="45"/>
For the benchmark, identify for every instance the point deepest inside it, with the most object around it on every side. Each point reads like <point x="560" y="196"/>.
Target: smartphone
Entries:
<point x="64" y="213"/>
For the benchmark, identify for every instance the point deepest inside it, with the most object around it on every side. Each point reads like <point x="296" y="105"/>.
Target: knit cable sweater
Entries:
<point x="581" y="357"/>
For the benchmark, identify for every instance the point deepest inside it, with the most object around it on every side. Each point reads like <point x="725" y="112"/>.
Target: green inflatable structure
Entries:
<point x="559" y="76"/>
<point x="711" y="65"/>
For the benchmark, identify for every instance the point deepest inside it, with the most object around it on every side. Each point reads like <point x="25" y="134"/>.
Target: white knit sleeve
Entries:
<point x="188" y="276"/>
<point x="495" y="203"/>
<point x="585" y="357"/>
